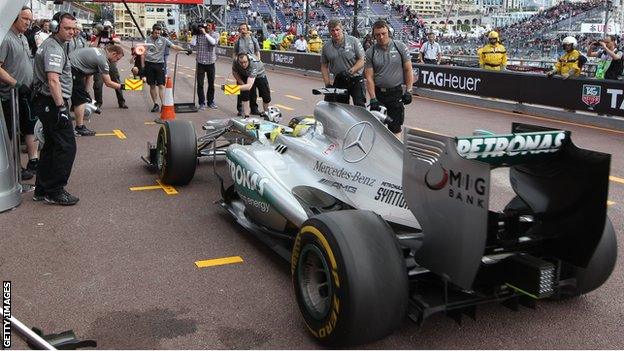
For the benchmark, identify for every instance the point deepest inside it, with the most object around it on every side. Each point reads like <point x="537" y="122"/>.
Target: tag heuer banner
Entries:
<point x="581" y="94"/>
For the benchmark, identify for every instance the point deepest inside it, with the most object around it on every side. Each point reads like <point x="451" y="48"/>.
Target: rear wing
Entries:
<point x="446" y="182"/>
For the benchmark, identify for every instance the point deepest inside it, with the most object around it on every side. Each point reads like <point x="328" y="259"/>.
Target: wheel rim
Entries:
<point x="161" y="150"/>
<point x="314" y="281"/>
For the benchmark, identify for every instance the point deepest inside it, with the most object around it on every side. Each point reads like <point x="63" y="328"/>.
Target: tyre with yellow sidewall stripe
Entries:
<point x="349" y="277"/>
<point x="176" y="152"/>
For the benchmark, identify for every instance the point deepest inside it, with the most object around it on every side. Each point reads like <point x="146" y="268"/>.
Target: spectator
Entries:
<point x="154" y="62"/>
<point x="205" y="43"/>
<point x="14" y="73"/>
<point x="430" y="51"/>
<point x="53" y="86"/>
<point x="43" y="33"/>
<point x="610" y="65"/>
<point x="301" y="45"/>
<point x="77" y="42"/>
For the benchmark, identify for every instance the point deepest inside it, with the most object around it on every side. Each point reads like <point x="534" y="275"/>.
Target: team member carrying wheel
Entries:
<point x="86" y="62"/>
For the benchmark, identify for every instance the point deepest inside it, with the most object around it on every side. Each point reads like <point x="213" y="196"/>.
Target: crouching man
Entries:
<point x="86" y="62"/>
<point x="250" y="74"/>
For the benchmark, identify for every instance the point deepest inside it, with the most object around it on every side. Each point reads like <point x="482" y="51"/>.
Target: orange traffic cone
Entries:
<point x="167" y="112"/>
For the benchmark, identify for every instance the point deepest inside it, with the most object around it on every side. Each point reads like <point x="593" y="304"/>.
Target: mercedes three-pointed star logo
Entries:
<point x="358" y="142"/>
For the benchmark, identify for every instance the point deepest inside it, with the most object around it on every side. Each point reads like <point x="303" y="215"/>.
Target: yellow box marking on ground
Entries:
<point x="616" y="179"/>
<point x="119" y="134"/>
<point x="231" y="89"/>
<point x="105" y="134"/>
<point x="609" y="202"/>
<point x="219" y="261"/>
<point x="168" y="189"/>
<point x="285" y="107"/>
<point x="293" y="97"/>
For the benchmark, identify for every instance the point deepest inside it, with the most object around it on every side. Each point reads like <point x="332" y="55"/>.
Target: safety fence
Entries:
<point x="580" y="94"/>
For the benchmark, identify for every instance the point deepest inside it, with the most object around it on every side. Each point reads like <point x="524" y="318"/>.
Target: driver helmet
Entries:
<point x="301" y="125"/>
<point x="274" y="114"/>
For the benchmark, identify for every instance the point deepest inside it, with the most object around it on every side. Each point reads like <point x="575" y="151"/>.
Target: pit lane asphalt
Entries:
<point x="119" y="266"/>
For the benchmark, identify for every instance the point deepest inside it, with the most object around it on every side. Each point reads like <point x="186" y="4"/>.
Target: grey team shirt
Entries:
<point x="156" y="53"/>
<point x="248" y="45"/>
<point x="51" y="57"/>
<point x="341" y="57"/>
<point x="254" y="70"/>
<point x="387" y="64"/>
<point x="89" y="60"/>
<point x="15" y="58"/>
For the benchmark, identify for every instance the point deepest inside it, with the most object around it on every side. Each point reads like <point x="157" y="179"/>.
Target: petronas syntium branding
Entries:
<point x="509" y="148"/>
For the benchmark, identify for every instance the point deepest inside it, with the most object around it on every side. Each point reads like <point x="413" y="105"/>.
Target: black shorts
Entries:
<point x="26" y="120"/>
<point x="155" y="73"/>
<point x="79" y="94"/>
<point x="262" y="84"/>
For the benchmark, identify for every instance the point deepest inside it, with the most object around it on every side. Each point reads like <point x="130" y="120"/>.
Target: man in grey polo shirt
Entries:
<point x="16" y="72"/>
<point x="247" y="44"/>
<point x="86" y="62"/>
<point x="53" y="86"/>
<point x="343" y="56"/>
<point x="154" y="63"/>
<point x="388" y="67"/>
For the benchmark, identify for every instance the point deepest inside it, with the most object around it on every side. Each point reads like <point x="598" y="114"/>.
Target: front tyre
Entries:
<point x="349" y="277"/>
<point x="176" y="152"/>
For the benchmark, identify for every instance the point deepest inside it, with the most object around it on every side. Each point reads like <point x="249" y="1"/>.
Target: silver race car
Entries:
<point x="376" y="229"/>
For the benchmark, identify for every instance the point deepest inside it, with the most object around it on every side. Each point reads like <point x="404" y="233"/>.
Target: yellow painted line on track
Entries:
<point x="219" y="261"/>
<point x="105" y="134"/>
<point x="119" y="134"/>
<point x="616" y="179"/>
<point x="609" y="203"/>
<point x="521" y="114"/>
<point x="285" y="107"/>
<point x="293" y="97"/>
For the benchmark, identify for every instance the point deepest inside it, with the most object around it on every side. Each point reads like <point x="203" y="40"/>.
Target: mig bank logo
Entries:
<point x="591" y="95"/>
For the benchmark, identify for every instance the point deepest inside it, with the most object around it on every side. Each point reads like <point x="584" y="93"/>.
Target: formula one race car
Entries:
<point x="376" y="229"/>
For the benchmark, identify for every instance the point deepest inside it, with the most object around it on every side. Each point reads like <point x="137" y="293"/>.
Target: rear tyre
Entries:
<point x="176" y="152"/>
<point x="349" y="277"/>
<point x="597" y="271"/>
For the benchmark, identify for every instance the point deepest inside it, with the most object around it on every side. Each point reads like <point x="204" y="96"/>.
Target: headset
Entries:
<point x="55" y="24"/>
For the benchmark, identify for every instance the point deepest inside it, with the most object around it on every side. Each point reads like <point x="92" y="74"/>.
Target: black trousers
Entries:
<point x="392" y="101"/>
<point x="253" y="103"/>
<point x="98" y="84"/>
<point x="59" y="150"/>
<point x="208" y="71"/>
<point x="355" y="86"/>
